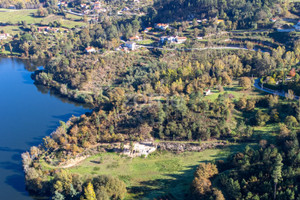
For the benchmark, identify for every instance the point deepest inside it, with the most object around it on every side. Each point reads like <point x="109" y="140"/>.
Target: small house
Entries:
<point x="180" y="40"/>
<point x="273" y="20"/>
<point x="131" y="45"/>
<point x="161" y="26"/>
<point x="90" y="50"/>
<point x="207" y="92"/>
<point x="168" y="39"/>
<point x="43" y="29"/>
<point x="4" y="36"/>
<point x="220" y="21"/>
<point x="12" y="7"/>
<point x="135" y="38"/>
<point x="125" y="9"/>
<point x="147" y="29"/>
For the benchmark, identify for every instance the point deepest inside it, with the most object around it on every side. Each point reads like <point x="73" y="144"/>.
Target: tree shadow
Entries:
<point x="174" y="186"/>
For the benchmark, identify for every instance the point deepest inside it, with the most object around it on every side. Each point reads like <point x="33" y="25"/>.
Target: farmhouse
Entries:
<point x="161" y="26"/>
<point x="90" y="50"/>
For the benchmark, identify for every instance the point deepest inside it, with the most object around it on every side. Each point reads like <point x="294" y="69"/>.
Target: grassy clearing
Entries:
<point x="15" y="16"/>
<point x="236" y="91"/>
<point x="160" y="173"/>
<point x="145" y="42"/>
<point x="10" y="29"/>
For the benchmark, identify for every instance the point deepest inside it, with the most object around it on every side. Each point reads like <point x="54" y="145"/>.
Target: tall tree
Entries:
<point x="276" y="173"/>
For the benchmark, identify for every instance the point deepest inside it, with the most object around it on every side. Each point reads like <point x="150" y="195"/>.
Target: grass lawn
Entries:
<point x="159" y="174"/>
<point x="15" y="16"/>
<point x="10" y="29"/>
<point x="145" y="42"/>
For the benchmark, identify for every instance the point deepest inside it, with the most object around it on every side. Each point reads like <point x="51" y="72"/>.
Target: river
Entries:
<point x="27" y="114"/>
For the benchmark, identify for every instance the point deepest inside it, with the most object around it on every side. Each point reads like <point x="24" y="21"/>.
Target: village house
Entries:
<point x="62" y="4"/>
<point x="12" y="7"/>
<point x="135" y="38"/>
<point x="97" y="5"/>
<point x="167" y="39"/>
<point x="125" y="9"/>
<point x="207" y="92"/>
<point x="90" y="50"/>
<point x="147" y="29"/>
<point x="131" y="45"/>
<point x="4" y="36"/>
<point x="161" y="26"/>
<point x="43" y="29"/>
<point x="54" y="30"/>
<point x="180" y="40"/>
<point x="83" y="5"/>
<point x="220" y="21"/>
<point x="273" y="20"/>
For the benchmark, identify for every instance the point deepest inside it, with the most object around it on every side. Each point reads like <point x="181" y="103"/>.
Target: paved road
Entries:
<point x="282" y="94"/>
<point x="199" y="49"/>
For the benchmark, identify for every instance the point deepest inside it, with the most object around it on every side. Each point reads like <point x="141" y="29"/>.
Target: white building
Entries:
<point x="180" y="40"/>
<point x="168" y="39"/>
<point x="130" y="45"/>
<point x="90" y="50"/>
<point x="207" y="92"/>
<point x="161" y="26"/>
<point x="4" y="36"/>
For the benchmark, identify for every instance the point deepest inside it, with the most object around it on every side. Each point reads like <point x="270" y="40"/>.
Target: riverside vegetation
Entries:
<point x="169" y="92"/>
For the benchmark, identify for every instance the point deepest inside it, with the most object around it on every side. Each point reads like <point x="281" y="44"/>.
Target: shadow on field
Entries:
<point x="174" y="187"/>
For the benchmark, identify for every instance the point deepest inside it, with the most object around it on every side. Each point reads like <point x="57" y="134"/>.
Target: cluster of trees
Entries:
<point x="64" y="185"/>
<point x="20" y="4"/>
<point x="269" y="171"/>
<point x="270" y="111"/>
<point x="106" y="36"/>
<point x="201" y="187"/>
<point x="243" y="14"/>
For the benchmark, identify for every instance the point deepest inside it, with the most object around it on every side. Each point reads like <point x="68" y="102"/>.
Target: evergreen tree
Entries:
<point x="276" y="173"/>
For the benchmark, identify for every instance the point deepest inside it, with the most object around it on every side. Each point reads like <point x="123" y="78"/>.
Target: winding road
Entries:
<point x="275" y="92"/>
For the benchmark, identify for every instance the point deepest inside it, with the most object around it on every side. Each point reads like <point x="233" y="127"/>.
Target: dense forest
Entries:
<point x="242" y="14"/>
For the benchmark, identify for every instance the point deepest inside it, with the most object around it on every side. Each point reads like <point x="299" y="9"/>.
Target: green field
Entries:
<point x="236" y="91"/>
<point x="15" y="16"/>
<point x="159" y="173"/>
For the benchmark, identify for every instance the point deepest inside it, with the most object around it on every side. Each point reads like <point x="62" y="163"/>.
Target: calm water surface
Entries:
<point x="27" y="114"/>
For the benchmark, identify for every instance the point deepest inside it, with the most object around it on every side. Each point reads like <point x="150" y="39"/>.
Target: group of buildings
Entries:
<point x="91" y="7"/>
<point x="4" y="36"/>
<point x="47" y="29"/>
<point x="172" y="39"/>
